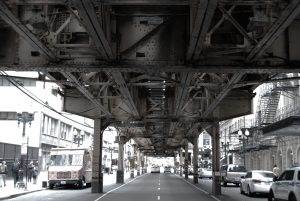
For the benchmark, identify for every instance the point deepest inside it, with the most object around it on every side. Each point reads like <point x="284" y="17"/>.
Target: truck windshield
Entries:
<point x="66" y="159"/>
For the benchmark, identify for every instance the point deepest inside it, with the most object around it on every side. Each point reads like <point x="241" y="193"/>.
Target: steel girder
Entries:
<point x="89" y="18"/>
<point x="24" y="32"/>
<point x="205" y="13"/>
<point x="122" y="86"/>
<point x="85" y="92"/>
<point x="285" y="19"/>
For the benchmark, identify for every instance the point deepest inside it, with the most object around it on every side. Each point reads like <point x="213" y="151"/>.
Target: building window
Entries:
<point x="49" y="126"/>
<point x="64" y="131"/>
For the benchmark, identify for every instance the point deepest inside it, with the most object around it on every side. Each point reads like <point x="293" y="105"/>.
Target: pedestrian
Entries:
<point x="15" y="171"/>
<point x="276" y="171"/>
<point x="4" y="172"/>
<point x="1" y="174"/>
<point x="35" y="172"/>
<point x="30" y="169"/>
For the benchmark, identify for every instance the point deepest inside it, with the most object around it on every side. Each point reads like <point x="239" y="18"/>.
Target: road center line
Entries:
<point x="118" y="187"/>
<point x="158" y="197"/>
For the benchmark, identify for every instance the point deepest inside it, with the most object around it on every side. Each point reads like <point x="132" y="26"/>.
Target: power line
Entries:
<point x="35" y="98"/>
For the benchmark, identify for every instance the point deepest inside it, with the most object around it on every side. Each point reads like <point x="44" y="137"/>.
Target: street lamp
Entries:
<point x="111" y="149"/>
<point x="243" y="137"/>
<point x="225" y="145"/>
<point x="24" y="117"/>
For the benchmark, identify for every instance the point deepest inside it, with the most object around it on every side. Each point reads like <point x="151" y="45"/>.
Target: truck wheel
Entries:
<point x="80" y="184"/>
<point x="250" y="194"/>
<point x="51" y="186"/>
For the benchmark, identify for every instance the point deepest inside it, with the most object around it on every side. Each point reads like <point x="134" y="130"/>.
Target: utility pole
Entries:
<point x="24" y="117"/>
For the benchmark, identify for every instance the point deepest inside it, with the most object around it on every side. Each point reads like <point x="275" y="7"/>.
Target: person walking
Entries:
<point x="30" y="171"/>
<point x="276" y="171"/>
<point x="35" y="172"/>
<point x="15" y="171"/>
<point x="3" y="172"/>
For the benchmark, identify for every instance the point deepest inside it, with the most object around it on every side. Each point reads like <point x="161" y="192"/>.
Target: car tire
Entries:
<point x="292" y="197"/>
<point x="271" y="196"/>
<point x="241" y="189"/>
<point x="224" y="183"/>
<point x="81" y="184"/>
<point x="249" y="193"/>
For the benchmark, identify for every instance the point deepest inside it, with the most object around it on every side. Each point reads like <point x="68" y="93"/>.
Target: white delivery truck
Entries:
<point x="70" y="166"/>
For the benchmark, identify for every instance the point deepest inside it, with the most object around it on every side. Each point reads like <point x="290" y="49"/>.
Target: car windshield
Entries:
<point x="66" y="159"/>
<point x="237" y="168"/>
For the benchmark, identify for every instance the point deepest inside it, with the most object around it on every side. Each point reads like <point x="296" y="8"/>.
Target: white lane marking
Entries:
<point x="118" y="188"/>
<point x="158" y="197"/>
<point x="159" y="184"/>
<point x="214" y="197"/>
<point x="159" y="189"/>
<point x="204" y="191"/>
<point x="200" y="189"/>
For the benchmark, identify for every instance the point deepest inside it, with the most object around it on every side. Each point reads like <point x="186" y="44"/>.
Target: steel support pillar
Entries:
<point x="180" y="161"/>
<point x="97" y="174"/>
<point x="138" y="162"/>
<point x="216" y="185"/>
<point x="186" y="160"/>
<point x="143" y="163"/>
<point x="120" y="172"/>
<point x="195" y="159"/>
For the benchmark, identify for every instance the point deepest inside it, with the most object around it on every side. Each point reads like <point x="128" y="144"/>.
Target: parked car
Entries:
<point x="205" y="173"/>
<point x="232" y="174"/>
<point x="155" y="169"/>
<point x="287" y="186"/>
<point x="167" y="169"/>
<point x="256" y="181"/>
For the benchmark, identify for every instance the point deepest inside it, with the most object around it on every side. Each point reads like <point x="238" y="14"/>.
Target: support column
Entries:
<point x="143" y="163"/>
<point x="186" y="160"/>
<point x="216" y="186"/>
<point x="146" y="163"/>
<point x="175" y="163"/>
<point x="138" y="162"/>
<point x="120" y="172"/>
<point x="180" y="161"/>
<point x="195" y="159"/>
<point x="97" y="175"/>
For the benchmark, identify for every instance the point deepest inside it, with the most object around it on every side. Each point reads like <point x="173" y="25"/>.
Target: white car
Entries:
<point x="287" y="186"/>
<point x="205" y="173"/>
<point x="155" y="169"/>
<point x="256" y="181"/>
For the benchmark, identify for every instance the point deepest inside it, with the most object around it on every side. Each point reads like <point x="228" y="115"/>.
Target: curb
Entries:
<point x="19" y="194"/>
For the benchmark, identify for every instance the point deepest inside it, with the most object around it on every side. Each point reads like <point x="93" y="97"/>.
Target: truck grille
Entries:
<point x="64" y="175"/>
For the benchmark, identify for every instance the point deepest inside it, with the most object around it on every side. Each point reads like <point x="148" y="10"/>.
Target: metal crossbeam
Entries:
<point x="89" y="18"/>
<point x="230" y="85"/>
<point x="205" y="13"/>
<point x="142" y="2"/>
<point x="24" y="32"/>
<point x="85" y="92"/>
<point x="125" y="92"/>
<point x="285" y="19"/>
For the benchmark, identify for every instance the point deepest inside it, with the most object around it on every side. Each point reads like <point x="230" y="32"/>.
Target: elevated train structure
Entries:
<point x="159" y="70"/>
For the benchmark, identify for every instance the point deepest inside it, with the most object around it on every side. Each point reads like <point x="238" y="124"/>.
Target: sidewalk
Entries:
<point x="9" y="191"/>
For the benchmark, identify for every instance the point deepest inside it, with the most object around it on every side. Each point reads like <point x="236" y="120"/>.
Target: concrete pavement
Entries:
<point x="9" y="191"/>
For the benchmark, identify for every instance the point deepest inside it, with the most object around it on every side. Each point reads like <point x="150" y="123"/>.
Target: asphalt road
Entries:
<point x="149" y="187"/>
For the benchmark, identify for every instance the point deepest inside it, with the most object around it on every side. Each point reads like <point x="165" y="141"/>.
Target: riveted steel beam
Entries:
<point x="85" y="92"/>
<point x="287" y="16"/>
<point x="205" y="13"/>
<point x="122" y="86"/>
<point x="229" y="86"/>
<point x="24" y="32"/>
<point x="89" y="18"/>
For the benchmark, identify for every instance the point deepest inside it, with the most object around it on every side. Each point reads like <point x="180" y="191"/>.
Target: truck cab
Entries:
<point x="70" y="166"/>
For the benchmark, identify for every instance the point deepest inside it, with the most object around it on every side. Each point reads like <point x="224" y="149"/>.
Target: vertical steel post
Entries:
<point x="195" y="159"/>
<point x="186" y="160"/>
<point x="120" y="172"/>
<point x="216" y="185"/>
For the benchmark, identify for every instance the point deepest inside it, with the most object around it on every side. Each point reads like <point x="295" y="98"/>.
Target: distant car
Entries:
<point x="167" y="169"/>
<point x="205" y="173"/>
<point x="256" y="181"/>
<point x="232" y="174"/>
<point x="287" y="186"/>
<point x="155" y="169"/>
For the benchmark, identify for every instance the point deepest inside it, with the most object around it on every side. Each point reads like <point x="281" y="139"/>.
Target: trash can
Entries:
<point x="44" y="184"/>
